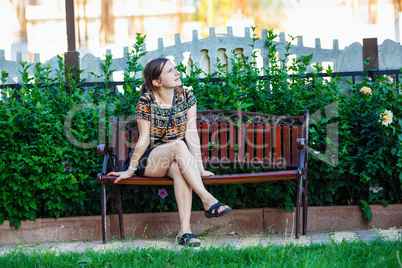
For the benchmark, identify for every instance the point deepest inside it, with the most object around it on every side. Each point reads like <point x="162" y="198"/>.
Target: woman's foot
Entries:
<point x="212" y="201"/>
<point x="206" y="173"/>
<point x="217" y="210"/>
<point x="188" y="239"/>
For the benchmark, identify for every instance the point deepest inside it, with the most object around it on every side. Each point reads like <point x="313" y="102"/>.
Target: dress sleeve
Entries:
<point x="143" y="109"/>
<point x="191" y="100"/>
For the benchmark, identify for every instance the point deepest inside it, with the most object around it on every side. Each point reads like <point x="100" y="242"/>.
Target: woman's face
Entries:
<point x="170" y="77"/>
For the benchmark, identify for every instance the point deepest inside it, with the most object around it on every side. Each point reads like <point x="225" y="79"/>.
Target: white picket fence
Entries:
<point x="205" y="52"/>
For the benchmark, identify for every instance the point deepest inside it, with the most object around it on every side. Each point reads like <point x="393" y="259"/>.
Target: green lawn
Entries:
<point x="376" y="253"/>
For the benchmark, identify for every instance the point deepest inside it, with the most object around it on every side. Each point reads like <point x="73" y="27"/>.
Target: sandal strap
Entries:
<point x="186" y="238"/>
<point x="215" y="208"/>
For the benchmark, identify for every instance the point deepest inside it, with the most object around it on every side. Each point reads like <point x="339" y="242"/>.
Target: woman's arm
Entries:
<point x="144" y="128"/>
<point x="193" y="140"/>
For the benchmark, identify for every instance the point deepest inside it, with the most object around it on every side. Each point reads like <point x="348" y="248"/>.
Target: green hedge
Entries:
<point x="48" y="137"/>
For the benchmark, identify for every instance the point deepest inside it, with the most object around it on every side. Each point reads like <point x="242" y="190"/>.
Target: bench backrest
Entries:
<point x="233" y="137"/>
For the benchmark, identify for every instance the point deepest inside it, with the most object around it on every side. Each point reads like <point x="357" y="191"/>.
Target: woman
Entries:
<point x="175" y="153"/>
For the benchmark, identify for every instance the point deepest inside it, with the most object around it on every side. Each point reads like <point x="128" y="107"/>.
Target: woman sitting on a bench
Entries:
<point x="169" y="144"/>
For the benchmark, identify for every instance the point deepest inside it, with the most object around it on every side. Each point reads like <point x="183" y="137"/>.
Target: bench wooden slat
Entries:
<point x="232" y="136"/>
<point x="114" y="136"/>
<point x="241" y="134"/>
<point x="251" y="177"/>
<point x="277" y="143"/>
<point x="205" y="141"/>
<point x="259" y="142"/>
<point x="286" y="144"/>
<point x="224" y="142"/>
<point x="214" y="139"/>
<point x="295" y="135"/>
<point x="214" y="180"/>
<point x="268" y="143"/>
<point x="123" y="153"/>
<point x="250" y="141"/>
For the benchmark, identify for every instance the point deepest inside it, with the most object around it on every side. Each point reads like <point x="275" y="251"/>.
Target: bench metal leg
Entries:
<point x="305" y="205"/>
<point x="103" y="213"/>
<point x="119" y="207"/>
<point x="298" y="206"/>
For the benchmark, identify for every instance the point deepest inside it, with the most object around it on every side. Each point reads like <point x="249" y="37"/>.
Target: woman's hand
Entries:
<point x="121" y="175"/>
<point x="206" y="173"/>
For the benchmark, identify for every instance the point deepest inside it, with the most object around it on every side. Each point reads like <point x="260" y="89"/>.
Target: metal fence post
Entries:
<point x="71" y="57"/>
<point x="370" y="51"/>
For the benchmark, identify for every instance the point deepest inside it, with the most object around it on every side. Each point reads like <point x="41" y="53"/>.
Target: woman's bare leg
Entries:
<point x="163" y="156"/>
<point x="184" y="198"/>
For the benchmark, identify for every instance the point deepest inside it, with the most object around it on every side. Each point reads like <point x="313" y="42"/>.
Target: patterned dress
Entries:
<point x="148" y="109"/>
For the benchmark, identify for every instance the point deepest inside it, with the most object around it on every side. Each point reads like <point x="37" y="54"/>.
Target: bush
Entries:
<point x="49" y="162"/>
<point x="42" y="173"/>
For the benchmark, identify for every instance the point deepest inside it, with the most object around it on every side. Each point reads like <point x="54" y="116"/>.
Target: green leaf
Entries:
<point x="367" y="213"/>
<point x="233" y="85"/>
<point x="363" y="203"/>
<point x="383" y="202"/>
<point x="32" y="204"/>
<point x="366" y="210"/>
<point x="74" y="131"/>
<point x="15" y="222"/>
<point x="128" y="89"/>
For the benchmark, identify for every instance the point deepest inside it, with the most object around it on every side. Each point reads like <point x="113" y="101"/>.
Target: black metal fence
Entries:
<point x="354" y="76"/>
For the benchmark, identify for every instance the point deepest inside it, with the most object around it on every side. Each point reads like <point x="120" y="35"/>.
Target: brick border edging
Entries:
<point x="240" y="221"/>
<point x="337" y="218"/>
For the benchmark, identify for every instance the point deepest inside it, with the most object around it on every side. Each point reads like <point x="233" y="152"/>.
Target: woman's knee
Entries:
<point x="181" y="149"/>
<point x="174" y="170"/>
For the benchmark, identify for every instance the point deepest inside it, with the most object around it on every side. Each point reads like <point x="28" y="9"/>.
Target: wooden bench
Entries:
<point x="275" y="144"/>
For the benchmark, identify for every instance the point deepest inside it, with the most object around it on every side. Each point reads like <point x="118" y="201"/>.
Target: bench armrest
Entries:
<point x="302" y="146"/>
<point x="102" y="149"/>
<point x="301" y="143"/>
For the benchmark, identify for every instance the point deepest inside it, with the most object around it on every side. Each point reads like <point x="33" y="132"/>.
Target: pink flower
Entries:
<point x="68" y="167"/>
<point x="162" y="193"/>
<point x="366" y="90"/>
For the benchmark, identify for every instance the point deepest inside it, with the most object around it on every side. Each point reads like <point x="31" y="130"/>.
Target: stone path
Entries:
<point x="237" y="241"/>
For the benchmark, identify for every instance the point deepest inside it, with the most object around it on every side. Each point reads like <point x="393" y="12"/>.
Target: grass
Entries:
<point x="376" y="253"/>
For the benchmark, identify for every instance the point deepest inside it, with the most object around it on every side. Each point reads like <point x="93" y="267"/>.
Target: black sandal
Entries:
<point x="215" y="209"/>
<point x="186" y="238"/>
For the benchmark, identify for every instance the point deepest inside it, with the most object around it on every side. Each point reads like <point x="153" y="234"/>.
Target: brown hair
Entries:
<point x="152" y="71"/>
